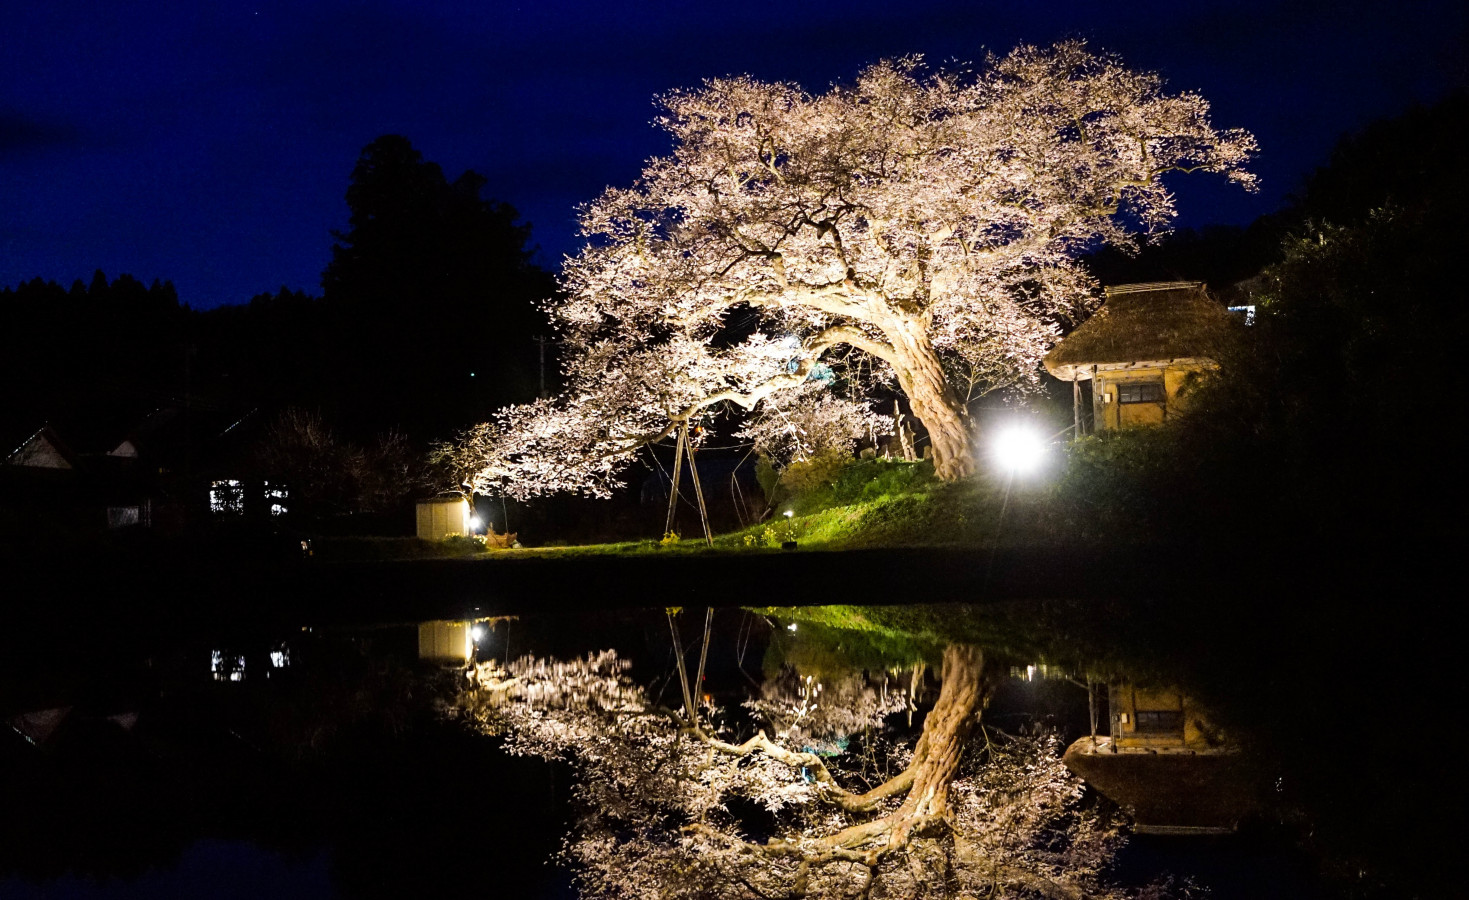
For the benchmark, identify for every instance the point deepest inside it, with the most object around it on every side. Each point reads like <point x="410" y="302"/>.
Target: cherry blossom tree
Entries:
<point x="919" y="225"/>
<point x="688" y="803"/>
<point x="801" y="423"/>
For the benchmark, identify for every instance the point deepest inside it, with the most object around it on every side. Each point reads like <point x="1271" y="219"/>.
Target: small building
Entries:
<point x="1166" y="764"/>
<point x="1154" y="719"/>
<point x="446" y="641"/>
<point x="444" y="517"/>
<point x="1140" y="349"/>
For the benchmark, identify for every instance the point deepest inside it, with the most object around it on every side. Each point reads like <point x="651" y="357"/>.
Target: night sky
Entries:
<point x="210" y="143"/>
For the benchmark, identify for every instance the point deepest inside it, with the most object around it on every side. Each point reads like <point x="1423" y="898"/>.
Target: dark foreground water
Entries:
<point x="303" y="750"/>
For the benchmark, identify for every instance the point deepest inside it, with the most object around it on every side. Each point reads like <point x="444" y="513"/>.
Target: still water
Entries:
<point x="823" y="751"/>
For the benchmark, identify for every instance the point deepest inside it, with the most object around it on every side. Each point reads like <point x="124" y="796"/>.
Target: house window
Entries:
<point x="1159" y="721"/>
<point x="276" y="496"/>
<point x="227" y="497"/>
<point x="1140" y="392"/>
<point x="123" y="516"/>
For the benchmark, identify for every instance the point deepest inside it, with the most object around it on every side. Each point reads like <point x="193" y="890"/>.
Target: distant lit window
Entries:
<point x="1140" y="392"/>
<point x="1247" y="311"/>
<point x="227" y="497"/>
<point x="1159" y="721"/>
<point x="276" y="496"/>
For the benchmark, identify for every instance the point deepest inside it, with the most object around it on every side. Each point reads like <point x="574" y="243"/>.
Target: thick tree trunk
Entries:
<point x="921" y="376"/>
<point x="936" y="758"/>
<point x="945" y="729"/>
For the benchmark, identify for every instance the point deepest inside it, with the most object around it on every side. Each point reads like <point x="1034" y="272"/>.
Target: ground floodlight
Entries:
<point x="1019" y="449"/>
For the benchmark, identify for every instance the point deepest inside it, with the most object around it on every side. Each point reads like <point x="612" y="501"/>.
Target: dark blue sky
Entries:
<point x="210" y="143"/>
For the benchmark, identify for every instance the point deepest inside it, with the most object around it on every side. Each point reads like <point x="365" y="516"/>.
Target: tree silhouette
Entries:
<point x="432" y="296"/>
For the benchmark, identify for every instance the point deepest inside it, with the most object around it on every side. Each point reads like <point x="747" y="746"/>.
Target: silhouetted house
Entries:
<point x="1141" y="348"/>
<point x="48" y="490"/>
<point x="43" y="449"/>
<point x="160" y="473"/>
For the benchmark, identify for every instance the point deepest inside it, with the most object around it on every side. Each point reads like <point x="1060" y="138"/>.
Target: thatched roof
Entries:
<point x="1158" y="322"/>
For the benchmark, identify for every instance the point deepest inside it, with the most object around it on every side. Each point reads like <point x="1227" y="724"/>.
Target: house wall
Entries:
<point x="440" y="519"/>
<point x="1163" y="707"/>
<point x="38" y="453"/>
<point x="1110" y="414"/>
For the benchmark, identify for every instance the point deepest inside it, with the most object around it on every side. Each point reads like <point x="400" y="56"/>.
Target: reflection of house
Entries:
<point x="446" y="641"/>
<point x="1158" y="719"/>
<point x="1140" y="349"/>
<point x="1165" y="763"/>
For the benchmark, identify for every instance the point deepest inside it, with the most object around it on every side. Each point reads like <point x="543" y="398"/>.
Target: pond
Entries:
<point x="729" y="751"/>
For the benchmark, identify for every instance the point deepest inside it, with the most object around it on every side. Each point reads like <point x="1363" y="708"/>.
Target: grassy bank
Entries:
<point x="865" y="504"/>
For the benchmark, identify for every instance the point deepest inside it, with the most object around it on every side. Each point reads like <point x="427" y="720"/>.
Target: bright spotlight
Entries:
<point x="477" y="632"/>
<point x="1019" y="449"/>
<point x="475" y="523"/>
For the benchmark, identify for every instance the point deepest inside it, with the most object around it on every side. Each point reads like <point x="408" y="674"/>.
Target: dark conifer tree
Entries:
<point x="433" y="296"/>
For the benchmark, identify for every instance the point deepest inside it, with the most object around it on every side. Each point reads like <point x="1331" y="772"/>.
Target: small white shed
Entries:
<point x="443" y="517"/>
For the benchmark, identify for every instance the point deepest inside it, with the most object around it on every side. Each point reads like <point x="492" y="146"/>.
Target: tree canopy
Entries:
<point x="914" y="227"/>
<point x="432" y="296"/>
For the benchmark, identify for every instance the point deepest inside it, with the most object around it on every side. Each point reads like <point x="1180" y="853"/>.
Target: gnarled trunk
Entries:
<point x="921" y="376"/>
<point x="936" y="758"/>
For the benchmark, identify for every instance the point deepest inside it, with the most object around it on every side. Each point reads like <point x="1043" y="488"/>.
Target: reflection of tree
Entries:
<point x="674" y="806"/>
<point x="820" y="714"/>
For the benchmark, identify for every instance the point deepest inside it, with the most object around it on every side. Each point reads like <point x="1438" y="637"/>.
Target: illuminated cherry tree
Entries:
<point x="689" y="803"/>
<point x="807" y="421"/>
<point x="921" y="225"/>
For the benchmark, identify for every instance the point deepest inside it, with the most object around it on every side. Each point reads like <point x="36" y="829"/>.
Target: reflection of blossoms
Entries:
<point x="821" y="714"/>
<point x="674" y="808"/>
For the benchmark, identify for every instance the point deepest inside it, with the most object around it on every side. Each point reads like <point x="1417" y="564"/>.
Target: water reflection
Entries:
<point x="671" y="754"/>
<point x="814" y="786"/>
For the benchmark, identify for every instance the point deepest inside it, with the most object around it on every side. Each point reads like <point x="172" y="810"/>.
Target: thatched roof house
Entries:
<point x="1153" y="325"/>
<point x="1140" y="349"/>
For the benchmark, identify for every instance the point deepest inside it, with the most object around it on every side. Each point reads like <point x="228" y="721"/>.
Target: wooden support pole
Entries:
<point x="1075" y="405"/>
<point x="677" y="470"/>
<point x="698" y="490"/>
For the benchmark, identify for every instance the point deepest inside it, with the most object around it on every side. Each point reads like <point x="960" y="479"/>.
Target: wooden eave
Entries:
<point x="1083" y="371"/>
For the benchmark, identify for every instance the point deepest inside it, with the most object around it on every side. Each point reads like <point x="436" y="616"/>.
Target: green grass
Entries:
<point x="375" y="549"/>
<point x="883" y="503"/>
<point x="867" y="504"/>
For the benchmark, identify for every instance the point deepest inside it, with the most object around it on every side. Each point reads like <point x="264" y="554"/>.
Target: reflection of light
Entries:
<point x="1030" y="673"/>
<point x="477" y="632"/>
<point x="791" y="627"/>
<point x="226" y="668"/>
<point x="474" y="522"/>
<point x="1019" y="449"/>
